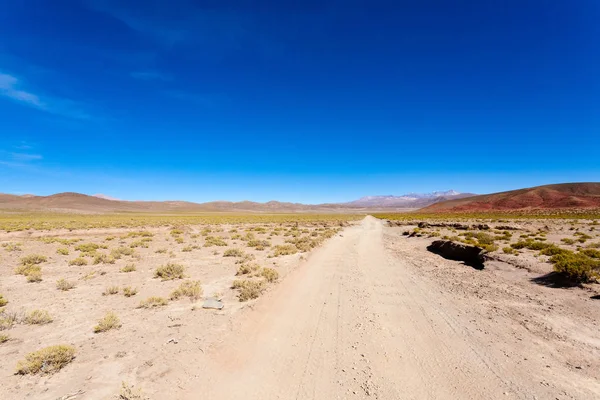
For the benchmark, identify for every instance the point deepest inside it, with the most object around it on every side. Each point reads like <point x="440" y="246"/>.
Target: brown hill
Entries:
<point x="81" y="203"/>
<point x="558" y="196"/>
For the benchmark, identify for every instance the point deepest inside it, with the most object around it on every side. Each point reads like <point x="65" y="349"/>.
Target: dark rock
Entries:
<point x="423" y="225"/>
<point x="470" y="255"/>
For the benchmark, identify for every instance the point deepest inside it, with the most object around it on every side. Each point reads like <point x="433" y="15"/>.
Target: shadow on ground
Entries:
<point x="555" y="280"/>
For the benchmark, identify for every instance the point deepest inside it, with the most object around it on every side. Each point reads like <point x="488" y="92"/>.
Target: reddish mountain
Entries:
<point x="559" y="196"/>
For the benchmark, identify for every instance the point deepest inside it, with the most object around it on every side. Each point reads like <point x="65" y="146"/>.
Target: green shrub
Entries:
<point x="577" y="267"/>
<point x="567" y="241"/>
<point x="103" y="259"/>
<point x="593" y="253"/>
<point x="63" y="251"/>
<point x="87" y="247"/>
<point x="284" y="250"/>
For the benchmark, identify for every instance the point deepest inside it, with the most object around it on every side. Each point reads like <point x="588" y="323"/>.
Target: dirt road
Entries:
<point x="360" y="320"/>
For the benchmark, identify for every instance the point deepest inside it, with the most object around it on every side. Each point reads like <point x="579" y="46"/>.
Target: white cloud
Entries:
<point x="10" y="88"/>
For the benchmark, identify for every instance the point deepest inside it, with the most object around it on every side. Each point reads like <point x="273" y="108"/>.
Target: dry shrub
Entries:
<point x="129" y="393"/>
<point x="284" y="250"/>
<point x="63" y="251"/>
<point x="4" y="338"/>
<point x="129" y="291"/>
<point x="33" y="259"/>
<point x="248" y="289"/>
<point x="37" y="317"/>
<point x="246" y="269"/>
<point x="110" y="290"/>
<point x="128" y="268"/>
<point x="80" y="261"/>
<point x="233" y="253"/>
<point x="103" y="259"/>
<point x="170" y="271"/>
<point x="108" y="322"/>
<point x="47" y="360"/>
<point x="64" y="285"/>
<point x="3" y="301"/>
<point x="154" y="301"/>
<point x="191" y="289"/>
<point x="34" y="276"/>
<point x="214" y="241"/>
<point x="121" y="251"/>
<point x="269" y="274"/>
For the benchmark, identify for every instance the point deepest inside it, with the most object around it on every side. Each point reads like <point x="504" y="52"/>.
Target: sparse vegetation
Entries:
<point x="191" y="289"/>
<point x="129" y="268"/>
<point x="108" y="322"/>
<point x="64" y="285"/>
<point x="152" y="302"/>
<point x="129" y="393"/>
<point x="170" y="271"/>
<point x="79" y="261"/>
<point x="248" y="289"/>
<point x="4" y="338"/>
<point x="47" y="360"/>
<point x="129" y="291"/>
<point x="284" y="250"/>
<point x="3" y="301"/>
<point x="270" y="274"/>
<point x="103" y="259"/>
<point x="33" y="259"/>
<point x="37" y="317"/>
<point x="214" y="241"/>
<point x="233" y="253"/>
<point x="111" y="290"/>
<point x="63" y="251"/>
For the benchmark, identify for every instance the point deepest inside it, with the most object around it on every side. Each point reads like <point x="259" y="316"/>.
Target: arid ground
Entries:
<point x="356" y="311"/>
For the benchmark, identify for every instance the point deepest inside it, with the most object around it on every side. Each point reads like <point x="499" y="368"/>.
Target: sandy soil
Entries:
<point x="371" y="314"/>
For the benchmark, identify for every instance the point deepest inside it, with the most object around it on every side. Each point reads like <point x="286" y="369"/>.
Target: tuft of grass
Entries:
<point x="108" y="322"/>
<point x="248" y="289"/>
<point x="170" y="271"/>
<point x="47" y="360"/>
<point x="37" y="317"/>
<point x="7" y="320"/>
<point x="4" y="338"/>
<point x="87" y="247"/>
<point x="161" y="251"/>
<point x="64" y="285"/>
<point x="129" y="393"/>
<point x="233" y="253"/>
<point x="152" y="302"/>
<point x="63" y="251"/>
<point x="3" y="301"/>
<point x="34" y="276"/>
<point x="269" y="274"/>
<point x="191" y="289"/>
<point x="510" y="250"/>
<point x="119" y="252"/>
<point x="128" y="268"/>
<point x="567" y="241"/>
<point x="128" y="291"/>
<point x="103" y="259"/>
<point x="245" y="269"/>
<point x="110" y="290"/>
<point x="284" y="250"/>
<point x="214" y="241"/>
<point x="33" y="259"/>
<point x="12" y="246"/>
<point x="79" y="261"/>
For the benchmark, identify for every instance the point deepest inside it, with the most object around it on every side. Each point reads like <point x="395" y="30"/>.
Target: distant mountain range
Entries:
<point x="409" y="200"/>
<point x="559" y="196"/>
<point x="584" y="195"/>
<point x="100" y="203"/>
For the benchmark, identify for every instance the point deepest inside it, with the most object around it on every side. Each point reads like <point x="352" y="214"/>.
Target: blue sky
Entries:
<point x="309" y="101"/>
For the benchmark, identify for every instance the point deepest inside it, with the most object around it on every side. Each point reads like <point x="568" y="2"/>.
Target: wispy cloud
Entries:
<point x="151" y="75"/>
<point x="10" y="87"/>
<point x="19" y="159"/>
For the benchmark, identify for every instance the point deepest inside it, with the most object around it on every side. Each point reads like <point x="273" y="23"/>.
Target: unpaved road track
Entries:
<point x="358" y="321"/>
